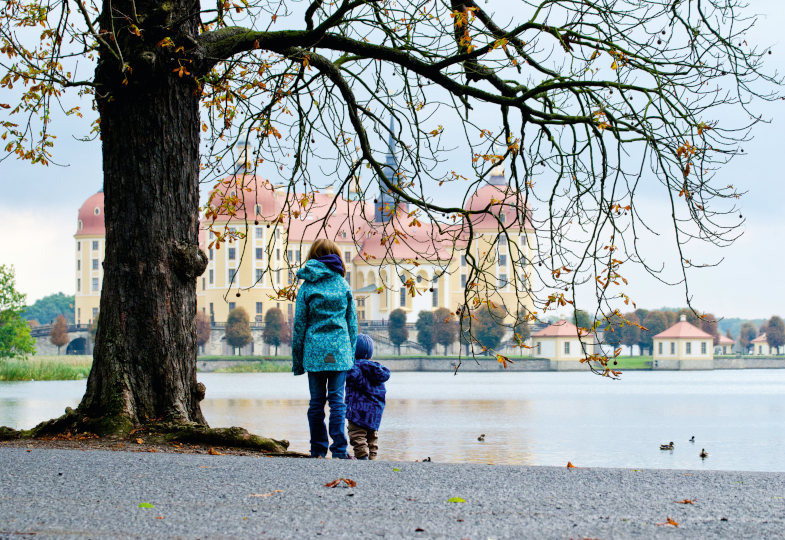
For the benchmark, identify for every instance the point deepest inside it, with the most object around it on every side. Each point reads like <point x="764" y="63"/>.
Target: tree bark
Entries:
<point x="144" y="362"/>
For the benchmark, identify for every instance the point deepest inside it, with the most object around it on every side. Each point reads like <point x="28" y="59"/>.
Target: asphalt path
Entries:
<point x="48" y="493"/>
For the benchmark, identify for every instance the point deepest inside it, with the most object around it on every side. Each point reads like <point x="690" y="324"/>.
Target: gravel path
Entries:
<point x="96" y="494"/>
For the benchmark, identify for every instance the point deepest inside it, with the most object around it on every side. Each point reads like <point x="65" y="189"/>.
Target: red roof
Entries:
<point x="725" y="340"/>
<point x="561" y="328"/>
<point x="254" y="198"/>
<point x="91" y="216"/>
<point x="683" y="329"/>
<point x="760" y="339"/>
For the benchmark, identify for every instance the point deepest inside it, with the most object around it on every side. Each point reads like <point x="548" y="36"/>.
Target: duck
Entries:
<point x="668" y="446"/>
<point x="481" y="438"/>
<point x="692" y="439"/>
<point x="704" y="454"/>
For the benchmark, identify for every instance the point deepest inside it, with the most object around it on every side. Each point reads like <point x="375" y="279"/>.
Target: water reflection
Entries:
<point x="528" y="418"/>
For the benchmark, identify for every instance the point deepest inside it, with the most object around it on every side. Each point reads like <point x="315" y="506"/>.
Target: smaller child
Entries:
<point x="365" y="399"/>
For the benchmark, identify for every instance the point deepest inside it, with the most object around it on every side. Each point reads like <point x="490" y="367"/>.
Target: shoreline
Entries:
<point x="260" y="497"/>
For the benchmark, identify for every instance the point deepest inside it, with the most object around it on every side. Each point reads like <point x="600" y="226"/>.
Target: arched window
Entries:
<point x="97" y="211"/>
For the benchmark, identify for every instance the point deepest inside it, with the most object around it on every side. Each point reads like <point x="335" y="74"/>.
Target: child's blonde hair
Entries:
<point x="323" y="247"/>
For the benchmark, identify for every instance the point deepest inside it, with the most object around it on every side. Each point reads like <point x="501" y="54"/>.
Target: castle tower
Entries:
<point x="387" y="203"/>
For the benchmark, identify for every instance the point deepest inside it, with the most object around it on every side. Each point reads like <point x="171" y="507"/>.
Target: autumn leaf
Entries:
<point x="456" y="500"/>
<point x="213" y="452"/>
<point x="139" y="441"/>
<point x="570" y="465"/>
<point x="686" y="501"/>
<point x="668" y="521"/>
<point x="269" y="494"/>
<point x="146" y="505"/>
<point x="335" y="483"/>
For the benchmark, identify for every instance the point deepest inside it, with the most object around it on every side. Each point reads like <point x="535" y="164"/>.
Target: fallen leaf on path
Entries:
<point x="139" y="441"/>
<point x="668" y="521"/>
<point x="159" y="517"/>
<point x="686" y="501"/>
<point x="270" y="494"/>
<point x="205" y="467"/>
<point x="152" y="450"/>
<point x="213" y="452"/>
<point x="146" y="505"/>
<point x="456" y="500"/>
<point x="570" y="465"/>
<point x="396" y="470"/>
<point x="419" y="529"/>
<point x="335" y="483"/>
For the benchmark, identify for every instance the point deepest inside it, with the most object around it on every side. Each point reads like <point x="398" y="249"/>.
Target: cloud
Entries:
<point x="39" y="243"/>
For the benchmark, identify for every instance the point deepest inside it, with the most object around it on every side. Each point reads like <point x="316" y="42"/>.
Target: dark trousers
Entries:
<point x="327" y="387"/>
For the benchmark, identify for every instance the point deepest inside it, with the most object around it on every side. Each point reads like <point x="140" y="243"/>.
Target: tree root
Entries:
<point x="75" y="426"/>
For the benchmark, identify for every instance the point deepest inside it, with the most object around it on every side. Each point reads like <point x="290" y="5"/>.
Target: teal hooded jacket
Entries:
<point x="325" y="321"/>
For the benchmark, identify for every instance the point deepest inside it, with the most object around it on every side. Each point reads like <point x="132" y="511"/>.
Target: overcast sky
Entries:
<point x="39" y="206"/>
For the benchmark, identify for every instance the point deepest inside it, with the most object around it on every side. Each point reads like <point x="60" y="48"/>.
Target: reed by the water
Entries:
<point x="46" y="368"/>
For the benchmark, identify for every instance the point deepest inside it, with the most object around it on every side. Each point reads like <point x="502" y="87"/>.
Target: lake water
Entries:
<point x="527" y="418"/>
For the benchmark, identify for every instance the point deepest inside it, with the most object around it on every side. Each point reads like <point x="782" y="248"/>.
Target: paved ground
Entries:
<point x="96" y="494"/>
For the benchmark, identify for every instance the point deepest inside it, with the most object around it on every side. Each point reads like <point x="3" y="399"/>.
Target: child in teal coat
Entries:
<point x="323" y="341"/>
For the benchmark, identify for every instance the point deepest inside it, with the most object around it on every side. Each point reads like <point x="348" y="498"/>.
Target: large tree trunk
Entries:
<point x="144" y="362"/>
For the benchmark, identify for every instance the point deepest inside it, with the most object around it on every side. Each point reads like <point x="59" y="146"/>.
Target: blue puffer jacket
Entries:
<point x="325" y="321"/>
<point x="365" y="393"/>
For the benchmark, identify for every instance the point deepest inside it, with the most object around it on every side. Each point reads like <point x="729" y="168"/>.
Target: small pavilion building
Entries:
<point x="561" y="344"/>
<point x="683" y="346"/>
<point x="724" y="346"/>
<point x="761" y="347"/>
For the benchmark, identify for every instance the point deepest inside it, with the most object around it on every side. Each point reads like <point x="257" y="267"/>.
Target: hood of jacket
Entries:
<point x="314" y="271"/>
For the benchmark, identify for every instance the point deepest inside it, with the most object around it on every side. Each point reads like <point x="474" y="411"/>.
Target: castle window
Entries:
<point x="81" y="226"/>
<point x="259" y="275"/>
<point x="212" y="277"/>
<point x="259" y="254"/>
<point x="259" y="232"/>
<point x="566" y="347"/>
<point x="232" y="306"/>
<point x="95" y="264"/>
<point x="689" y="348"/>
<point x="232" y="253"/>
<point x="403" y="296"/>
<point x="95" y="245"/>
<point x="95" y="284"/>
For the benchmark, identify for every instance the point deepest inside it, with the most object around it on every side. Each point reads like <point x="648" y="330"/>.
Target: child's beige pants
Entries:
<point x="364" y="441"/>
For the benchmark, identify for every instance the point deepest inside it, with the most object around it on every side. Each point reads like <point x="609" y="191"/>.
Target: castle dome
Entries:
<point x="91" y="216"/>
